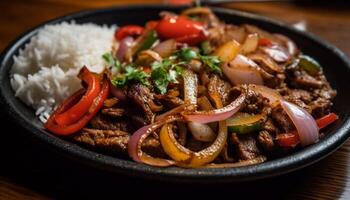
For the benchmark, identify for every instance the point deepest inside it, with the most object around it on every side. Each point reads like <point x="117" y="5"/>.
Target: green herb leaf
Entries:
<point x="113" y="62"/>
<point x="163" y="73"/>
<point x="212" y="63"/>
<point x="132" y="75"/>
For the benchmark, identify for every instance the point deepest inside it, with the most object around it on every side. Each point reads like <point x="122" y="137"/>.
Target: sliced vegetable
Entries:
<point x="201" y="132"/>
<point x="129" y="30"/>
<point x="136" y="140"/>
<point x="97" y="104"/>
<point x="326" y="120"/>
<point x="291" y="46"/>
<point x="277" y="53"/>
<point x="147" y="57"/>
<point x="187" y="54"/>
<point x="188" y="158"/>
<point x="124" y="46"/>
<point x="227" y="51"/>
<point x="217" y="114"/>
<point x="182" y="29"/>
<point x="250" y="44"/>
<point x="308" y="64"/>
<point x="290" y="140"/>
<point x="266" y="63"/>
<point x="242" y="70"/>
<point x="190" y="89"/>
<point x="243" y="123"/>
<point x="147" y="43"/>
<point x="264" y="42"/>
<point x="74" y="113"/>
<point x="165" y="48"/>
<point x="171" y="146"/>
<point x="303" y="121"/>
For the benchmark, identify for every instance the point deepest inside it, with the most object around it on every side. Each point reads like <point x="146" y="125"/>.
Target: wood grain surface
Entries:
<point x="35" y="172"/>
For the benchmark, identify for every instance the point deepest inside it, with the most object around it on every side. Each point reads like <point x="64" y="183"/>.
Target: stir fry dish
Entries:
<point x="190" y="90"/>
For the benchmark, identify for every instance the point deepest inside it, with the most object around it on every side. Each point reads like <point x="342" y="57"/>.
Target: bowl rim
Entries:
<point x="283" y="165"/>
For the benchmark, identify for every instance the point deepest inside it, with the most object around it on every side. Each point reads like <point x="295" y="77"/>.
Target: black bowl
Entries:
<point x="336" y="67"/>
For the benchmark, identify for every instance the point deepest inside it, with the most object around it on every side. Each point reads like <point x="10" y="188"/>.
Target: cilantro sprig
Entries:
<point x="163" y="73"/>
<point x="112" y="61"/>
<point x="212" y="63"/>
<point x="131" y="75"/>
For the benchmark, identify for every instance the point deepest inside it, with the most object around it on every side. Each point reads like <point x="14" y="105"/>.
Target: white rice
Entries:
<point x="44" y="73"/>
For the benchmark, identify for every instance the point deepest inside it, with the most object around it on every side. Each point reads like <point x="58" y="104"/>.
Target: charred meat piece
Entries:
<point x="266" y="141"/>
<point x="246" y="146"/>
<point x="270" y="127"/>
<point x="115" y="141"/>
<point x="143" y="98"/>
<point x="112" y="140"/>
<point x="299" y="97"/>
<point x="301" y="79"/>
<point x="254" y="103"/>
<point x="320" y="107"/>
<point x="282" y="119"/>
<point x="113" y="112"/>
<point x="105" y="122"/>
<point x="169" y="101"/>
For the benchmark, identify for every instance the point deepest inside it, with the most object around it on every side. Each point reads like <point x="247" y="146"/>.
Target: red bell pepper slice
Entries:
<point x="129" y="30"/>
<point x="292" y="139"/>
<point x="182" y="29"/>
<point x="73" y="128"/>
<point x="326" y="120"/>
<point x="78" y="110"/>
<point x="264" y="42"/>
<point x="151" y="24"/>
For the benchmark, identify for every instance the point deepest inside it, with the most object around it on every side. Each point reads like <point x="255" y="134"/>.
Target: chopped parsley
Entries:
<point x="112" y="61"/>
<point x="163" y="73"/>
<point x="131" y="75"/>
<point x="212" y="63"/>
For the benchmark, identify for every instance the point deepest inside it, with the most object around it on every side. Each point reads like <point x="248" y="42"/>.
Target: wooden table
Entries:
<point x="35" y="172"/>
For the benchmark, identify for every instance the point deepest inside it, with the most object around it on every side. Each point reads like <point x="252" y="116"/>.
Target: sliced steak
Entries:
<point x="282" y="120"/>
<point x="104" y="122"/>
<point x="246" y="146"/>
<point x="270" y="127"/>
<point x="113" y="112"/>
<point x="302" y="79"/>
<point x="266" y="141"/>
<point x="115" y="141"/>
<point x="142" y="97"/>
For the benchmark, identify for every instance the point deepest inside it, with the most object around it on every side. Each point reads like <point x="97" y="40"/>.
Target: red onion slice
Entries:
<point x="277" y="53"/>
<point x="305" y="124"/>
<point x="217" y="114"/>
<point x="242" y="71"/>
<point x="136" y="140"/>
<point x="124" y="45"/>
<point x="165" y="48"/>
